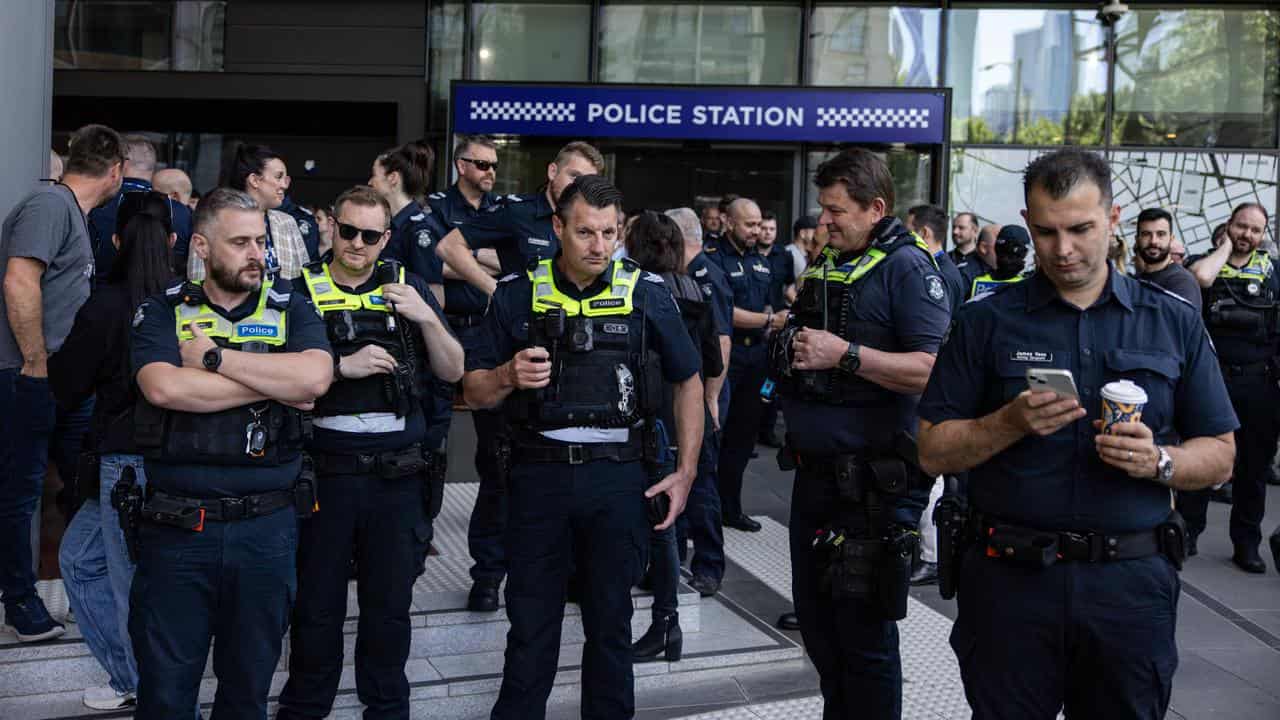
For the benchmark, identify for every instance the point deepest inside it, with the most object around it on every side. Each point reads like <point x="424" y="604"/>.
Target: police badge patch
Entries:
<point x="140" y="314"/>
<point x="304" y="227"/>
<point x="933" y="284"/>
<point x="424" y="238"/>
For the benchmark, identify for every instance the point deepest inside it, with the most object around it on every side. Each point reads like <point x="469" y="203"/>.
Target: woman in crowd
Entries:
<point x="94" y="361"/>
<point x="260" y="172"/>
<point x="324" y="228"/>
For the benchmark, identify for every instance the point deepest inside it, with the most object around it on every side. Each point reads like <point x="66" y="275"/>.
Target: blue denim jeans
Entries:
<point x="27" y="418"/>
<point x="97" y="573"/>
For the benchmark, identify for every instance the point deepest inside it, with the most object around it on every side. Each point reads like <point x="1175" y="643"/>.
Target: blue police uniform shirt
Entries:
<point x="415" y="231"/>
<point x="415" y="424"/>
<point x="956" y="289"/>
<point x="972" y="269"/>
<point x="715" y="288"/>
<point x="306" y="225"/>
<point x="518" y="227"/>
<point x="461" y="298"/>
<point x="750" y="279"/>
<point x="901" y="295"/>
<point x="1135" y="331"/>
<point x="155" y="339"/>
<point x="506" y="324"/>
<point x="782" y="272"/>
<point x="102" y="225"/>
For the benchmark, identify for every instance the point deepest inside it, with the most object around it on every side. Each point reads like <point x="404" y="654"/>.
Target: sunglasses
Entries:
<point x="481" y="165"/>
<point x="369" y="237"/>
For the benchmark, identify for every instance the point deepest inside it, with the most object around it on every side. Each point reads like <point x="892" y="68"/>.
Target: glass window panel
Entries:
<point x="139" y="35"/>
<point x="1036" y="77"/>
<point x="531" y="41"/>
<point x="1197" y="77"/>
<point x="886" y="46"/>
<point x="739" y="44"/>
<point x="446" y="33"/>
<point x="911" y="168"/>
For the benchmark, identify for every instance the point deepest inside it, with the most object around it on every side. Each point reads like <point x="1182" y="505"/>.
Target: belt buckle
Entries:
<point x="1079" y="546"/>
<point x="575" y="455"/>
<point x="233" y="509"/>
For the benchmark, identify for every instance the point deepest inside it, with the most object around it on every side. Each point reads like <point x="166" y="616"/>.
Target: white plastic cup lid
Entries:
<point x="1125" y="392"/>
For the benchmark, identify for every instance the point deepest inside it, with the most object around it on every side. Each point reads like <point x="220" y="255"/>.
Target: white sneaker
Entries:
<point x="106" y="698"/>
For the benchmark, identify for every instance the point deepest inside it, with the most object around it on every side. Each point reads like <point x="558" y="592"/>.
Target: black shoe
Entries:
<point x="788" y="621"/>
<point x="662" y="636"/>
<point x="754" y="454"/>
<point x="926" y="574"/>
<point x="1222" y="494"/>
<point x="483" y="597"/>
<point x="743" y="523"/>
<point x="705" y="586"/>
<point x="769" y="439"/>
<point x="1192" y="549"/>
<point x="1248" y="560"/>
<point x="1275" y="548"/>
<point x="1273" y="476"/>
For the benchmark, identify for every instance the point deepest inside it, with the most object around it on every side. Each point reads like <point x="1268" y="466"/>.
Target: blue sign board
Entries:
<point x="724" y="114"/>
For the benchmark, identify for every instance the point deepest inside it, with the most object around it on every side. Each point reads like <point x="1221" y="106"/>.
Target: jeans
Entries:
<point x="97" y="572"/>
<point x="27" y="419"/>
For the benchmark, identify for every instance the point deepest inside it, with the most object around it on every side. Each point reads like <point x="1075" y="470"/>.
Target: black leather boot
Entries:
<point x="663" y="634"/>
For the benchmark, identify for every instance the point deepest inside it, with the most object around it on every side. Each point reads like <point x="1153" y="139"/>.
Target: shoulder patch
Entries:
<point x="980" y="296"/>
<point x="653" y="277"/>
<point x="424" y="238"/>
<point x="509" y="278"/>
<point x="304" y="227"/>
<point x="934" y="287"/>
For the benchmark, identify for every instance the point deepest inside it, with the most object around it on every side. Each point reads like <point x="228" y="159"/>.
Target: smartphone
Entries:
<point x="1052" y="380"/>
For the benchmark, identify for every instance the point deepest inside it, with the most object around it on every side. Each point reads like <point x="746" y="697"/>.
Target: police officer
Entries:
<point x="929" y="222"/>
<point x="520" y="227"/>
<point x="1011" y="247"/>
<point x="750" y="279"/>
<point x="389" y="338"/>
<point x="983" y="258"/>
<point x="475" y="162"/>
<point x="871" y="313"/>
<point x="307" y="224"/>
<point x="576" y="350"/>
<point x="225" y="369"/>
<point x="1068" y="590"/>
<point x="139" y="168"/>
<point x="1242" y="312"/>
<point x="712" y="223"/>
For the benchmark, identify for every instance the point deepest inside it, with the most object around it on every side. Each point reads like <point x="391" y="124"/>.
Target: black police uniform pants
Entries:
<point x="747" y="371"/>
<point x="384" y="522"/>
<point x="592" y="514"/>
<point x="235" y="581"/>
<point x="1255" y="399"/>
<point x="489" y="516"/>
<point x="1093" y="640"/>
<point x="853" y="648"/>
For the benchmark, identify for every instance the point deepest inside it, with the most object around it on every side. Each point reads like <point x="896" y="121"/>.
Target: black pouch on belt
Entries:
<point x="402" y="463"/>
<point x="893" y="581"/>
<point x="1171" y="536"/>
<point x="1022" y="546"/>
<point x="305" y="500"/>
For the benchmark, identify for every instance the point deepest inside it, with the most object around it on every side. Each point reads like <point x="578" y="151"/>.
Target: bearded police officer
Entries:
<point x="577" y="351"/>
<point x="389" y="339"/>
<point x="1068" y="590"/>
<point x="225" y="368"/>
<point x="871" y="313"/>
<point x="1242" y="312"/>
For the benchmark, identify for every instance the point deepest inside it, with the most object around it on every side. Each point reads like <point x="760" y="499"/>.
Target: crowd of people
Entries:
<point x="249" y="402"/>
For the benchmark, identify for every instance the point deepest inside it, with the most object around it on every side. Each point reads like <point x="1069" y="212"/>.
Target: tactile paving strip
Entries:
<point x="451" y="569"/>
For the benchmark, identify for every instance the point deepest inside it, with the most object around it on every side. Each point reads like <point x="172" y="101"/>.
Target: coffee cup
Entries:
<point x="1122" y="401"/>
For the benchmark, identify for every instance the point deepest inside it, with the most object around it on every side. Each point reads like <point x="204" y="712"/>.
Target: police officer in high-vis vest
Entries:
<point x="374" y="488"/>
<point x="226" y="370"/>
<point x="850" y="364"/>
<point x="1242" y="312"/>
<point x="1012" y="243"/>
<point x="577" y="351"/>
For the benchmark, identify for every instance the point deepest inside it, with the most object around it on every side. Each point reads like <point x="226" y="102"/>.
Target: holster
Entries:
<point x="950" y="518"/>
<point x="1021" y="546"/>
<point x="126" y="498"/>
<point x="1171" y="535"/>
<point x="434" y="473"/>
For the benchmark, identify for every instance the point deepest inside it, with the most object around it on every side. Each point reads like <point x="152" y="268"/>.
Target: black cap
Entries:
<point x="804" y="222"/>
<point x="1012" y="239"/>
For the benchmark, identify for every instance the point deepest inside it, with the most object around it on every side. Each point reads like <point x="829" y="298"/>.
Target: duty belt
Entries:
<point x="389" y="465"/>
<point x="462" y="322"/>
<point x="1042" y="548"/>
<point x="577" y="454"/>
<point x="1257" y="368"/>
<point x="187" y="513"/>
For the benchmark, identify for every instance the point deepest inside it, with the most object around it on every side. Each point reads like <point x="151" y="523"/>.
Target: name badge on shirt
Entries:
<point x="1031" y="356"/>
<point x="539" y="242"/>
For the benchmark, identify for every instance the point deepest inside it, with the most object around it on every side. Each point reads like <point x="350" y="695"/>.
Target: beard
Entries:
<point x="234" y="280"/>
<point x="1154" y="254"/>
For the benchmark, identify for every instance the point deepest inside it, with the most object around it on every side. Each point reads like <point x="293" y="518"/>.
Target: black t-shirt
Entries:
<point x="1179" y="281"/>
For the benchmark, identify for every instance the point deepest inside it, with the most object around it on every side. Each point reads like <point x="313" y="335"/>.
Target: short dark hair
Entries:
<point x="595" y="190"/>
<point x="804" y="222"/>
<point x="973" y="217"/>
<point x="410" y="165"/>
<point x="768" y="215"/>
<point x="655" y="242"/>
<point x="93" y="150"/>
<point x="1153" y="214"/>
<point x="1060" y="171"/>
<point x="247" y="160"/>
<point x="466" y="141"/>
<point x="364" y="196"/>
<point x="1249" y="206"/>
<point x="584" y="150"/>
<point x="1218" y="230"/>
<point x="865" y="176"/>
<point x="932" y="217"/>
<point x="219" y="199"/>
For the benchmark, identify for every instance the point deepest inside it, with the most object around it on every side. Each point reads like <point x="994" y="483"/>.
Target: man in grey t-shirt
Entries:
<point x="46" y="266"/>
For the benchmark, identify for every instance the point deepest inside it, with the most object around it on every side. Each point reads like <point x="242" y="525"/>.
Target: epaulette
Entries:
<point x="514" y="198"/>
<point x="653" y="278"/>
<point x="279" y="299"/>
<point x="417" y="217"/>
<point x="709" y="248"/>
<point x="436" y="196"/>
<point x="316" y="265"/>
<point x="699" y="272"/>
<point x="509" y="278"/>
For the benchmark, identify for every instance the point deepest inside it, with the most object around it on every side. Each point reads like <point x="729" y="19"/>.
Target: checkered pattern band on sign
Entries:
<point x="523" y="110"/>
<point x="873" y="117"/>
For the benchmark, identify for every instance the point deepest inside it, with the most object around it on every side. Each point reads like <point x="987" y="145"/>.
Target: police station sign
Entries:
<point x="702" y="113"/>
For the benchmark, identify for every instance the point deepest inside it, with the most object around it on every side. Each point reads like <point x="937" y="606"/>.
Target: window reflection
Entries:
<point x="446" y="33"/>
<point x="139" y="35"/>
<point x="531" y="41"/>
<point x="741" y="44"/>
<point x="875" y="46"/>
<point x="1035" y="77"/>
<point x="1197" y="77"/>
<point x="911" y="168"/>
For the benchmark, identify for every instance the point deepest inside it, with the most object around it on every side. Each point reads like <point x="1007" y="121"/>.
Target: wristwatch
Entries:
<point x="851" y="361"/>
<point x="1164" y="467"/>
<point x="212" y="358"/>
